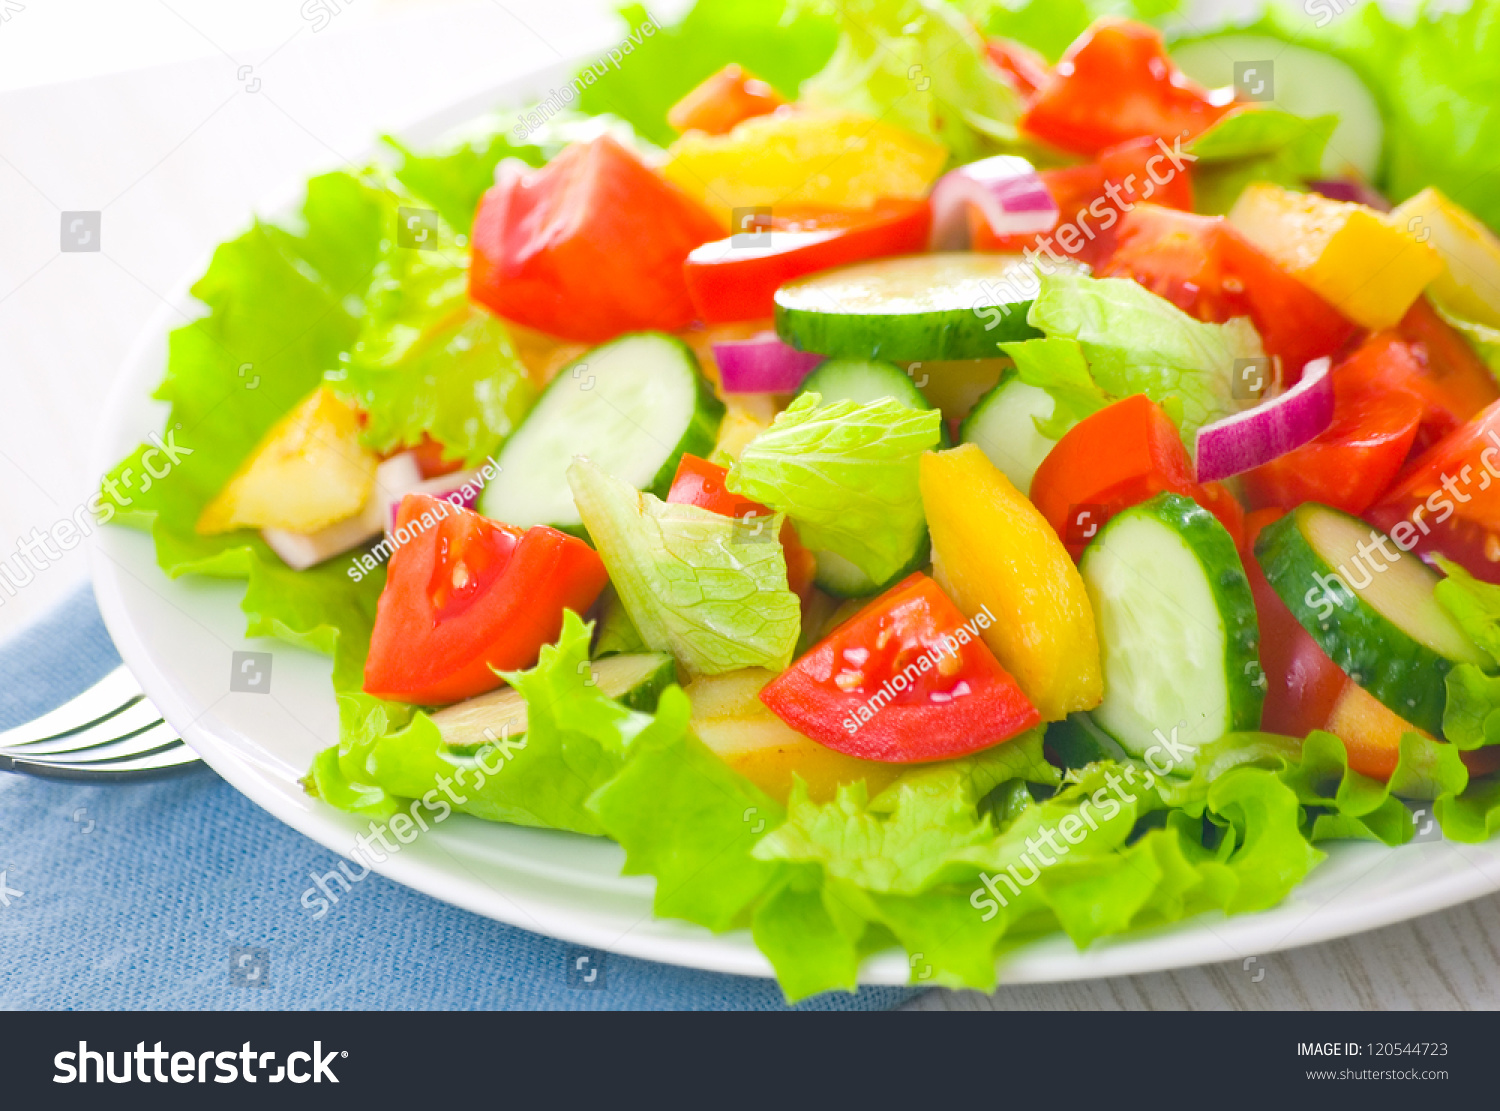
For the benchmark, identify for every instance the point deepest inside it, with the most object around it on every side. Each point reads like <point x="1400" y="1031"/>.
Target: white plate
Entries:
<point x="178" y="638"/>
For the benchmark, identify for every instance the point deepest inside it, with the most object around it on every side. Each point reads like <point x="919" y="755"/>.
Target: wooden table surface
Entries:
<point x="177" y="156"/>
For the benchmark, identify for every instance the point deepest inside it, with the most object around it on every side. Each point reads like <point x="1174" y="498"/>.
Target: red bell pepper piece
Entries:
<point x="730" y="282"/>
<point x="1120" y="456"/>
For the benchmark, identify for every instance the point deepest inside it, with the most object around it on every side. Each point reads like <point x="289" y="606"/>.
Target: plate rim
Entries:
<point x="1204" y="939"/>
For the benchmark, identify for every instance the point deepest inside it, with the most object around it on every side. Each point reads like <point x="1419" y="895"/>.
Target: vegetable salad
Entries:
<point x="913" y="474"/>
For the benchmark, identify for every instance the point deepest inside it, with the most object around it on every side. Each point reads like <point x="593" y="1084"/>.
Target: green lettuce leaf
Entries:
<point x="1471" y="717"/>
<point x="283" y="303"/>
<point x="1137" y="342"/>
<point x="1473" y="604"/>
<point x="921" y="863"/>
<point x="682" y="815"/>
<point x="773" y="42"/>
<point x="1059" y="367"/>
<point x="575" y="741"/>
<point x="1339" y="802"/>
<point x="428" y="361"/>
<point x="1435" y="78"/>
<point x="1050" y="26"/>
<point x="846" y="474"/>
<point x="455" y="174"/>
<point x="901" y="842"/>
<point x="919" y="64"/>
<point x="1482" y="338"/>
<point x="708" y="588"/>
<point x="1259" y="145"/>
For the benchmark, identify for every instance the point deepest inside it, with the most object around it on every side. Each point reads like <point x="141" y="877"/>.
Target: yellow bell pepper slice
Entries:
<point x="991" y="548"/>
<point x="1360" y="261"/>
<point x="1470" y="282"/>
<point x="806" y="157"/>
<point x="308" y="472"/>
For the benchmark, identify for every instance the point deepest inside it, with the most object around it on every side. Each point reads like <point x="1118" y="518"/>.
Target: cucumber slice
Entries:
<point x="614" y="633"/>
<point x="866" y="380"/>
<point x="1305" y="83"/>
<point x="1177" y="630"/>
<point x="1003" y="425"/>
<point x="863" y="381"/>
<point x="841" y="578"/>
<point x="635" y="680"/>
<point x="954" y="305"/>
<point x="634" y="406"/>
<point x="1375" y="616"/>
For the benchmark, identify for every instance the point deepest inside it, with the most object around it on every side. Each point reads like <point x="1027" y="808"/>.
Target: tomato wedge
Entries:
<point x="1120" y="456"/>
<point x="588" y="247"/>
<point x="1302" y="683"/>
<point x="728" y="97"/>
<point x="905" y="680"/>
<point x="701" y="483"/>
<point x="1116" y="83"/>
<point x="1210" y="271"/>
<point x="1456" y="372"/>
<point x="1448" y="500"/>
<point x="729" y="280"/>
<point x="1355" y="459"/>
<point x="1091" y="199"/>
<point x="465" y="595"/>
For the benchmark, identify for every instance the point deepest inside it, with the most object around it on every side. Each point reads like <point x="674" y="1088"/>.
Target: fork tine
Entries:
<point x="117" y="691"/>
<point x="110" y="731"/>
<point x="150" y="737"/>
<point x="169" y="760"/>
<point x="138" y="715"/>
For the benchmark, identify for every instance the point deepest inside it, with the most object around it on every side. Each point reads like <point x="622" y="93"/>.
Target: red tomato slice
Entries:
<point x="1385" y="363"/>
<point x="863" y="692"/>
<point x="1116" y="83"/>
<point x="1023" y="67"/>
<point x="1448" y="500"/>
<point x="1210" y="271"/>
<point x="730" y="96"/>
<point x="1456" y="372"/>
<point x="701" y="483"/>
<point x="1355" y="459"/>
<point x="1091" y="199"/>
<point x="1120" y="456"/>
<point x="465" y="595"/>
<point x="1302" y="683"/>
<point x="588" y="247"/>
<point x="730" y="282"/>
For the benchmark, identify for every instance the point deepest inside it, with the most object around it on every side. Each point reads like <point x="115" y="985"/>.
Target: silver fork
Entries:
<point x="109" y="732"/>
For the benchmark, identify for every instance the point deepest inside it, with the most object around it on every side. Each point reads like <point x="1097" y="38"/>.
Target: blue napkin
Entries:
<point x="181" y="894"/>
